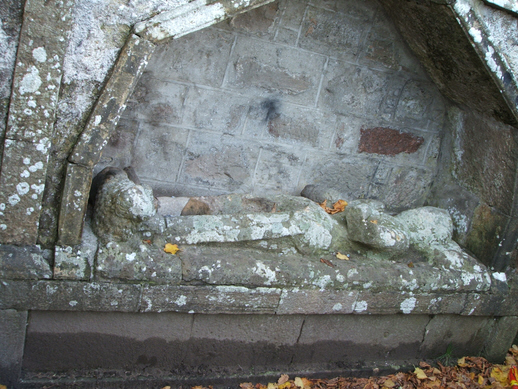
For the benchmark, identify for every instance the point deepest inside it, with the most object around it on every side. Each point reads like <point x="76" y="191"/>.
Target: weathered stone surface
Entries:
<point x="486" y="36"/>
<point x="12" y="338"/>
<point x="191" y="17"/>
<point x="406" y="187"/>
<point x="486" y="233"/>
<point x="73" y="204"/>
<point x="106" y="114"/>
<point x="316" y="301"/>
<point x="363" y="337"/>
<point x="24" y="262"/>
<point x="367" y="224"/>
<point x="209" y="299"/>
<point x="38" y="71"/>
<point x="487" y="166"/>
<point x="311" y="229"/>
<point x="456" y="68"/>
<point x="427" y="225"/>
<point x="387" y="141"/>
<point x="120" y="207"/>
<point x="76" y="262"/>
<point x="11" y="15"/>
<point x="501" y="338"/>
<point x="137" y="262"/>
<point x="22" y="181"/>
<point x="209" y="49"/>
<point x="443" y="330"/>
<point x="69" y="296"/>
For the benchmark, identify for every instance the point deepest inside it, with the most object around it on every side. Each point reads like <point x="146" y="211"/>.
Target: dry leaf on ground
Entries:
<point x="171" y="248"/>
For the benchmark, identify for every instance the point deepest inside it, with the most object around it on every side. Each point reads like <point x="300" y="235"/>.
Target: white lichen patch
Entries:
<point x="264" y="271"/>
<point x="500" y="276"/>
<point x="31" y="81"/>
<point x="408" y="305"/>
<point x="360" y="306"/>
<point x="39" y="54"/>
<point x="181" y="301"/>
<point x="337" y="307"/>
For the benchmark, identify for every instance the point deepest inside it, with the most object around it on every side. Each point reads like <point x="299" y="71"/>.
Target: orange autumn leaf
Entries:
<point x="339" y="206"/>
<point x="171" y="248"/>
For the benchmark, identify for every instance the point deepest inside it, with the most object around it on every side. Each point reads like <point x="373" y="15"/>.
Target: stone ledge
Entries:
<point x="224" y="299"/>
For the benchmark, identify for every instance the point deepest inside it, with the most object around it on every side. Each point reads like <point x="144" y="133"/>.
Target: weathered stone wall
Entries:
<point x="281" y="97"/>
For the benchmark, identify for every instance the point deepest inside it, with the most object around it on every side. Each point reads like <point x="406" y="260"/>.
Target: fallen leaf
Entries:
<point x="328" y="263"/>
<point x="147" y="241"/>
<point x="165" y="387"/>
<point x="339" y="206"/>
<point x="171" y="248"/>
<point x="410" y="264"/>
<point x="302" y="383"/>
<point x="271" y="385"/>
<point x="246" y="385"/>
<point x="420" y="374"/>
<point x="274" y="208"/>
<point x="500" y="375"/>
<point x="342" y="256"/>
<point x="283" y="379"/>
<point x="389" y="383"/>
<point x="374" y="221"/>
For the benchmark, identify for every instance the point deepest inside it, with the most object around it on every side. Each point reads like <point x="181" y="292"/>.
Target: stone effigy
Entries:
<point x="126" y="210"/>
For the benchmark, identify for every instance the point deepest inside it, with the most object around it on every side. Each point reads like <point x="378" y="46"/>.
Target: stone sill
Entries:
<point x="23" y="295"/>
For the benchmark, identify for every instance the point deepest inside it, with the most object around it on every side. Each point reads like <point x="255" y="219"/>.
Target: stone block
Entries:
<point x="486" y="233"/>
<point x="351" y="176"/>
<point x="120" y="148"/>
<point x="279" y="168"/>
<point x="501" y="338"/>
<point x="351" y="338"/>
<point x="24" y="167"/>
<point x="12" y="339"/>
<point x="347" y="89"/>
<point x="387" y="141"/>
<point x="69" y="296"/>
<point x="76" y="262"/>
<point x="156" y="101"/>
<point x="24" y="262"/>
<point x="167" y="326"/>
<point x="37" y="78"/>
<point x="484" y="304"/>
<point x="159" y="152"/>
<point x="269" y="267"/>
<point x="210" y="299"/>
<point x="279" y="330"/>
<point x="110" y="105"/>
<point x="487" y="166"/>
<point x="464" y="335"/>
<point x="219" y="161"/>
<point x="274" y="70"/>
<point x="209" y="49"/>
<point x="406" y="188"/>
<point x="145" y="262"/>
<point x="73" y="204"/>
<point x="277" y="121"/>
<point x="111" y="341"/>
<point x="252" y="341"/>
<point x="336" y="34"/>
<point x="215" y="110"/>
<point x="259" y="21"/>
<point x="316" y="301"/>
